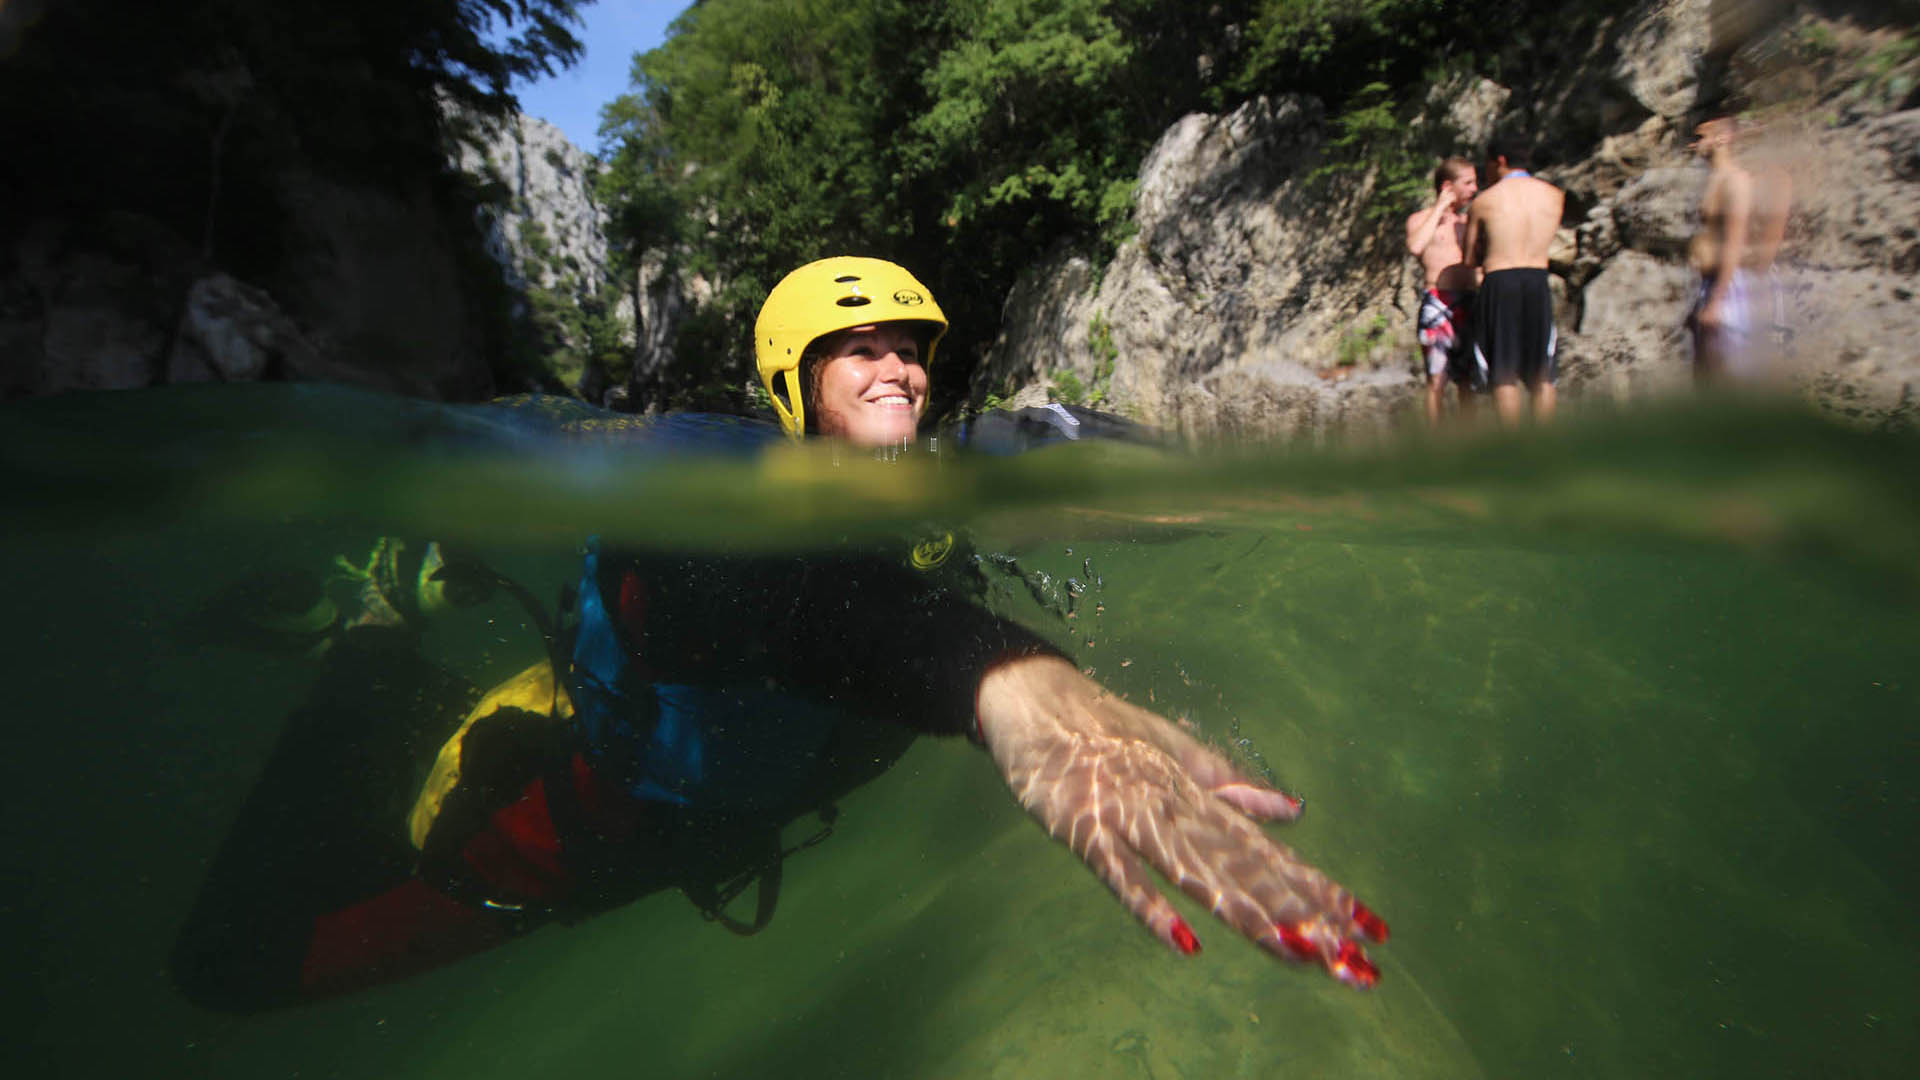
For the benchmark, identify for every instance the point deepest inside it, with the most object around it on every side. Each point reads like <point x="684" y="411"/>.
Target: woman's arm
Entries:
<point x="1126" y="789"/>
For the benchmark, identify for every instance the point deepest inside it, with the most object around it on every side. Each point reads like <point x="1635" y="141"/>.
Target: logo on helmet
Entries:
<point x="932" y="551"/>
<point x="908" y="298"/>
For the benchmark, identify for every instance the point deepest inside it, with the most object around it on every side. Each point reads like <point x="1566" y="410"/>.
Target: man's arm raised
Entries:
<point x="1126" y="789"/>
<point x="1423" y="224"/>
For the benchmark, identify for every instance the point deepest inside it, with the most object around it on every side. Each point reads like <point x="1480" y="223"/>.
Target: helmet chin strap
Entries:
<point x="795" y="406"/>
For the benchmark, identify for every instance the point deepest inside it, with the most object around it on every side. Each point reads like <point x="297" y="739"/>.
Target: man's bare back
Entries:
<point x="1510" y="231"/>
<point x="1511" y="224"/>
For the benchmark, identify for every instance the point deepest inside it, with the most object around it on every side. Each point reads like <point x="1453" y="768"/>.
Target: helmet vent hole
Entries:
<point x="853" y="301"/>
<point x="844" y="278"/>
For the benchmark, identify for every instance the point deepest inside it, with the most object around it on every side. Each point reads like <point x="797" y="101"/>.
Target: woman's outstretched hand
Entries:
<point x="1122" y="786"/>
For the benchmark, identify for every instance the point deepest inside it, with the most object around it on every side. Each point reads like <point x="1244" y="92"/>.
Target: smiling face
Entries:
<point x="869" y="386"/>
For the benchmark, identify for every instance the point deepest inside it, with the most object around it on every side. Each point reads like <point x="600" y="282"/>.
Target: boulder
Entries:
<point x="234" y="332"/>
<point x="1235" y="302"/>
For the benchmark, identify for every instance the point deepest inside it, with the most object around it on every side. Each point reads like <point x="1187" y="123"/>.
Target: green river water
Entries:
<point x="1615" y="725"/>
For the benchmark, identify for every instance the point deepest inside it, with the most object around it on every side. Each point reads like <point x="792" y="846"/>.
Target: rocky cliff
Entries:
<point x="1256" y="298"/>
<point x="543" y="224"/>
<point x="370" y="290"/>
<point x="368" y="287"/>
<point x="602" y="327"/>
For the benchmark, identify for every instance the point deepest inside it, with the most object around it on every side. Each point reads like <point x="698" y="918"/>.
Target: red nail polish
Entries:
<point x="1295" y="941"/>
<point x="1369" y="924"/>
<point x="1351" y="966"/>
<point x="1183" y="938"/>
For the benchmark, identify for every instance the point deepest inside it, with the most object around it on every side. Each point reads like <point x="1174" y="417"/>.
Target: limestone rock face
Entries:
<point x="1659" y="211"/>
<point x="1660" y="53"/>
<point x="370" y="292"/>
<point x="1470" y="108"/>
<point x="375" y="280"/>
<point x="548" y="233"/>
<point x="551" y="231"/>
<point x="1212" y="319"/>
<point x="89" y="306"/>
<point x="1631" y="329"/>
<point x="370" y="288"/>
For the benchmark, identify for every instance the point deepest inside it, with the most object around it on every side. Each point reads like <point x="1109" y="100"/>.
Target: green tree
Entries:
<point x="763" y="124"/>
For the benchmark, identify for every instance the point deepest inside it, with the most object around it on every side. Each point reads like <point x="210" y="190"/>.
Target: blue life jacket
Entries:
<point x="723" y="748"/>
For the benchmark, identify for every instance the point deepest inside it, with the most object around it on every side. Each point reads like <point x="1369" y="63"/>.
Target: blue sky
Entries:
<point x="614" y="30"/>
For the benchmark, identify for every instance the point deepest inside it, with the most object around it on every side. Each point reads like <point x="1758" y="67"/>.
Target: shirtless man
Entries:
<point x="1509" y="232"/>
<point x="1743" y="219"/>
<point x="1435" y="237"/>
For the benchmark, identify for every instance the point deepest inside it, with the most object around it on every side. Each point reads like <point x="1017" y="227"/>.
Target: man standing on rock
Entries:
<point x="1743" y="219"/>
<point x="1509" y="232"/>
<point x="1436" y="237"/>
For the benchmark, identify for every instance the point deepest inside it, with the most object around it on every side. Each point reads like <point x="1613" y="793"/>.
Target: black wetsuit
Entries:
<point x="317" y="891"/>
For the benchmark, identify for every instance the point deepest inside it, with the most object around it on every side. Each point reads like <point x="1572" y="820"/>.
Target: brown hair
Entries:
<point x="1518" y="154"/>
<point x="1450" y="169"/>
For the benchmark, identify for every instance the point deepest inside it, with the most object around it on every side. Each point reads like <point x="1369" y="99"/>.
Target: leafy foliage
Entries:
<point x="1373" y="138"/>
<point x="1359" y="342"/>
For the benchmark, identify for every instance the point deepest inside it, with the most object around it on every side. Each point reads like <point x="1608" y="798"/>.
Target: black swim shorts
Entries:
<point x="1513" y="334"/>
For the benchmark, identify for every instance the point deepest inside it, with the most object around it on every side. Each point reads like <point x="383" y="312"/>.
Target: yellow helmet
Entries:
<point x="826" y="296"/>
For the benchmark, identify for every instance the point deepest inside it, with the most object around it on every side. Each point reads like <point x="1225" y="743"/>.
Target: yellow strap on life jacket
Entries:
<point x="531" y="690"/>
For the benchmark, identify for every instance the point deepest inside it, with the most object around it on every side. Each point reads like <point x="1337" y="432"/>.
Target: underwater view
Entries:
<point x="1615" y="724"/>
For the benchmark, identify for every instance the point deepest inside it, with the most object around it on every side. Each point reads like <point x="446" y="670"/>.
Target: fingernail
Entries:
<point x="1296" y="941"/>
<point x="1352" y="967"/>
<point x="1368" y="923"/>
<point x="1183" y="938"/>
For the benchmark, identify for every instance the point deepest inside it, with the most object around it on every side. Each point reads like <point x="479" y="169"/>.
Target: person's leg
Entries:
<point x="1436" y="397"/>
<point x="1508" y="404"/>
<point x="1543" y="401"/>
<point x="1498" y="336"/>
<point x="1527" y="345"/>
